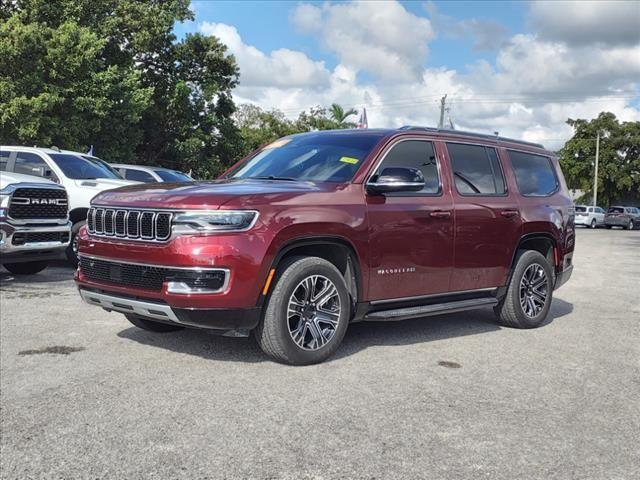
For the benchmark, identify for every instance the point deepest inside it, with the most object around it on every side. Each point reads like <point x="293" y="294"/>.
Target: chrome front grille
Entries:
<point x="147" y="225"/>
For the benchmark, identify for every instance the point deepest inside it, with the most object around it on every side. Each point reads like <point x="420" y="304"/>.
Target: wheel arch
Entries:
<point x="336" y="250"/>
<point x="78" y="214"/>
<point x="543" y="242"/>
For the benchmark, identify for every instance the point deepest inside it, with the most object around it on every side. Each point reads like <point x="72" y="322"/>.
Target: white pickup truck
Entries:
<point x="34" y="222"/>
<point x="82" y="175"/>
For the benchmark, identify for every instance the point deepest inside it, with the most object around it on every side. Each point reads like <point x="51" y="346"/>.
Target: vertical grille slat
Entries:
<point x="130" y="224"/>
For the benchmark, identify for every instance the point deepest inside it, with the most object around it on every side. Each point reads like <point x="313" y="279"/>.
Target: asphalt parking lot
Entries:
<point x="445" y="397"/>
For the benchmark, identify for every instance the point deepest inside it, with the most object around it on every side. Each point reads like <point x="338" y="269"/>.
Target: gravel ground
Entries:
<point x="444" y="397"/>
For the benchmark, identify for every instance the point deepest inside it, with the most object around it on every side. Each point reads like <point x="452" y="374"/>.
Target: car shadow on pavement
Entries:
<point x="360" y="336"/>
<point x="57" y="271"/>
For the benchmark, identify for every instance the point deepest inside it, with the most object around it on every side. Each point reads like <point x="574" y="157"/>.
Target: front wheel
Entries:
<point x="72" y="249"/>
<point x="307" y="312"/>
<point x="630" y="226"/>
<point x="593" y="223"/>
<point x="529" y="294"/>
<point x="26" y="268"/>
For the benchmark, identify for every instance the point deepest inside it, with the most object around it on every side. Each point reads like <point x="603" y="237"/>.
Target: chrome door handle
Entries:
<point x="440" y="214"/>
<point x="509" y="213"/>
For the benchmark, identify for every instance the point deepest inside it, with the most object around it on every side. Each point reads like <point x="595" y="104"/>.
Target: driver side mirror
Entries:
<point x="396" y="179"/>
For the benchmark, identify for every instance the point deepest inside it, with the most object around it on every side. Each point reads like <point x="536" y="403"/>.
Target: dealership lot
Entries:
<point x="86" y="395"/>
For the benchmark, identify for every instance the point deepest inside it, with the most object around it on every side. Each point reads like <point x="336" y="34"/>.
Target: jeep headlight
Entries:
<point x="214" y="221"/>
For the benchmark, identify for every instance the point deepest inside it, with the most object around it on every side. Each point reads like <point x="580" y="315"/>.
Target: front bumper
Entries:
<point x="225" y="321"/>
<point x="28" y="243"/>
<point x="563" y="277"/>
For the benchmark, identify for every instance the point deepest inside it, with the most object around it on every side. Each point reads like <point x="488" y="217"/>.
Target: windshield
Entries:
<point x="173" y="176"/>
<point x="615" y="210"/>
<point x="78" y="167"/>
<point x="581" y="209"/>
<point x="99" y="160"/>
<point x="322" y="157"/>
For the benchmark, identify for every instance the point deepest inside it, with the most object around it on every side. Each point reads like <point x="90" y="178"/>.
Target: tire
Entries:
<point x="318" y="328"/>
<point x="608" y="227"/>
<point x="152" y="326"/>
<point x="26" y="268"/>
<point x="631" y="225"/>
<point x="593" y="224"/>
<point x="72" y="250"/>
<point x="512" y="312"/>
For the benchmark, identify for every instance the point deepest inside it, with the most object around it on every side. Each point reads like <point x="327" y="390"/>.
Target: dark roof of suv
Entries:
<point x="382" y="132"/>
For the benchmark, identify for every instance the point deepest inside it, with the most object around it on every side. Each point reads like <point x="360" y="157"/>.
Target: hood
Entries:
<point x="208" y="195"/>
<point x="9" y="178"/>
<point x="104" y="183"/>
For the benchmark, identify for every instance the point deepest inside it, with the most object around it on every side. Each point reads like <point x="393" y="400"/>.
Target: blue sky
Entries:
<point x="268" y="26"/>
<point x="521" y="68"/>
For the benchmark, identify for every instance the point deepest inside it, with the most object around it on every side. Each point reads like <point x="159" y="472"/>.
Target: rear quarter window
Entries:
<point x="534" y="174"/>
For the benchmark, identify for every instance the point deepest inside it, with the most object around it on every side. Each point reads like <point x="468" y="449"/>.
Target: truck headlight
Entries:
<point x="214" y="221"/>
<point x="4" y="200"/>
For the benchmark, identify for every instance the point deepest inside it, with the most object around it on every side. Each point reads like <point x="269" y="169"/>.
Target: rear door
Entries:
<point x="411" y="233"/>
<point x="488" y="225"/>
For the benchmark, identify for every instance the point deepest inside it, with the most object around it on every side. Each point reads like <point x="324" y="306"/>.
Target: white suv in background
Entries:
<point x="591" y="217"/>
<point x="82" y="175"/>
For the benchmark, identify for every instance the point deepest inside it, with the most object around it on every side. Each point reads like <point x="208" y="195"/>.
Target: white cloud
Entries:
<point x="381" y="38"/>
<point x="281" y="68"/>
<point x="534" y="85"/>
<point x="588" y="22"/>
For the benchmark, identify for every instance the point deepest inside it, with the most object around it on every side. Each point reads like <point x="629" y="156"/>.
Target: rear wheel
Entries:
<point x="529" y="294"/>
<point x="307" y="312"/>
<point x="26" y="268"/>
<point x="152" y="326"/>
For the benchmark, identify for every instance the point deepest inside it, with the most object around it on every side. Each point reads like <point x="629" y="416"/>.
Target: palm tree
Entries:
<point x="338" y="114"/>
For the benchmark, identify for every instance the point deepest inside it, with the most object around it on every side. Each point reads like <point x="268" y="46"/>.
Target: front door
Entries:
<point x="487" y="218"/>
<point x="411" y="233"/>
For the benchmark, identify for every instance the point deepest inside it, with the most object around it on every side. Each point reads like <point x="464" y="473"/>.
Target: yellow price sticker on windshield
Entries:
<point x="350" y="160"/>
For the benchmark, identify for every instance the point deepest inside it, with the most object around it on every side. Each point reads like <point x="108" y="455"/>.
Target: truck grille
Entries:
<point x="29" y="203"/>
<point x="147" y="277"/>
<point x="130" y="224"/>
<point x="22" y="238"/>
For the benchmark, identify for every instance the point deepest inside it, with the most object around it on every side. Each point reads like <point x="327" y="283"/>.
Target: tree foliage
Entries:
<point x="619" y="158"/>
<point x="111" y="73"/>
<point x="259" y="127"/>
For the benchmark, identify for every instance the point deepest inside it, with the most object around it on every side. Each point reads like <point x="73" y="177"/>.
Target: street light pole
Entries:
<point x="595" y="176"/>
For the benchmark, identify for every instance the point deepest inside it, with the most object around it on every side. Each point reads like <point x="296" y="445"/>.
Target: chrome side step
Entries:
<point x="129" y="305"/>
<point x="428" y="310"/>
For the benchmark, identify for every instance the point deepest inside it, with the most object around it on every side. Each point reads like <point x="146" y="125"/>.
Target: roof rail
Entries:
<point x="470" y="134"/>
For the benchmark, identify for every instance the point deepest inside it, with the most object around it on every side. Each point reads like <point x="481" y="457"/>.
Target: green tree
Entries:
<point x="111" y="73"/>
<point x="619" y="158"/>
<point x="339" y="115"/>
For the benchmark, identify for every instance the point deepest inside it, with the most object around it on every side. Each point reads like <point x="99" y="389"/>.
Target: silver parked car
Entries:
<point x="145" y="174"/>
<point x="625" y="217"/>
<point x="591" y="217"/>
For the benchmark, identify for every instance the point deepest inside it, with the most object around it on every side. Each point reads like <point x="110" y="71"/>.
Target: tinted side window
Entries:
<point x="32" y="164"/>
<point x="139" y="176"/>
<point x="534" y="174"/>
<point x="476" y="170"/>
<point x="414" y="154"/>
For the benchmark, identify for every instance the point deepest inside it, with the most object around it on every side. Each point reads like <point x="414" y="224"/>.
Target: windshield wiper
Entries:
<point x="273" y="177"/>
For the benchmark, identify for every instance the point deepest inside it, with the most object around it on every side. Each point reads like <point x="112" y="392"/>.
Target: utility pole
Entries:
<point x="595" y="176"/>
<point x="442" y="108"/>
